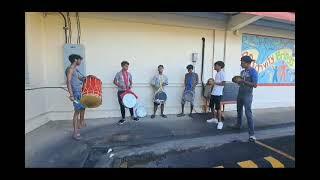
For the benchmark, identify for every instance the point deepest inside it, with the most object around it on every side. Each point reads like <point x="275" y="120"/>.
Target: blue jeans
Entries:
<point x="246" y="101"/>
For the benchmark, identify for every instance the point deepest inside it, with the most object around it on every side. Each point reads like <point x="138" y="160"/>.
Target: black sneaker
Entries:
<point x="136" y="119"/>
<point x="164" y="116"/>
<point x="191" y="115"/>
<point x="180" y="115"/>
<point x="153" y="116"/>
<point x="121" y="121"/>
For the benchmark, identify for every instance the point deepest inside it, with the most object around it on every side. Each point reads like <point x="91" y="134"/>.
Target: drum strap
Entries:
<point x="80" y="73"/>
<point x="128" y="91"/>
<point x="160" y="88"/>
<point x="125" y="78"/>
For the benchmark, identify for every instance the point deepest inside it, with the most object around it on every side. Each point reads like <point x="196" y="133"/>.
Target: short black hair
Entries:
<point x="73" y="57"/>
<point x="124" y="63"/>
<point x="190" y="67"/>
<point x="160" y="66"/>
<point x="219" y="63"/>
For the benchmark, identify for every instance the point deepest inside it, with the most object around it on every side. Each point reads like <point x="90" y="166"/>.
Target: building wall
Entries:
<point x="35" y="101"/>
<point x="145" y="41"/>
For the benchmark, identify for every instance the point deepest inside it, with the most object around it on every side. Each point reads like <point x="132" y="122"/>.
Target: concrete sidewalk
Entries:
<point x="51" y="145"/>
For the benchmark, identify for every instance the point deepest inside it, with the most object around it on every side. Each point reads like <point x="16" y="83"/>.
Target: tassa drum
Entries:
<point x="160" y="97"/>
<point x="129" y="99"/>
<point x="235" y="79"/>
<point x="188" y="95"/>
<point x="140" y="110"/>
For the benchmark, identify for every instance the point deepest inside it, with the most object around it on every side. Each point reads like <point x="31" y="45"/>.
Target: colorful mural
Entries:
<point x="274" y="58"/>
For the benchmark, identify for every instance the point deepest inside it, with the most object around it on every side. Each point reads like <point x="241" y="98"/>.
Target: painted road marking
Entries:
<point x="219" y="167"/>
<point x="274" y="162"/>
<point x="250" y="164"/>
<point x="247" y="164"/>
<point x="276" y="150"/>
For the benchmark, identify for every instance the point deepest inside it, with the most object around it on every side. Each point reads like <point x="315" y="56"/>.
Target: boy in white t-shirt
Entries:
<point x="216" y="94"/>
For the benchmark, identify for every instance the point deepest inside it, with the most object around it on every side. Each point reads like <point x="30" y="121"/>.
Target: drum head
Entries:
<point x="161" y="96"/>
<point x="235" y="79"/>
<point x="188" y="96"/>
<point x="129" y="100"/>
<point x="91" y="101"/>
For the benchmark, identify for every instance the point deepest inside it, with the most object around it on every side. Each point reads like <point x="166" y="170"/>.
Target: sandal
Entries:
<point x="76" y="136"/>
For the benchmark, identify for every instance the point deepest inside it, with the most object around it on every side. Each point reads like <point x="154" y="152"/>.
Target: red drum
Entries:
<point x="91" y="92"/>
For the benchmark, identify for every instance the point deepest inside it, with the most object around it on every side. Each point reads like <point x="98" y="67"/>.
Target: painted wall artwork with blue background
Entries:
<point x="274" y="58"/>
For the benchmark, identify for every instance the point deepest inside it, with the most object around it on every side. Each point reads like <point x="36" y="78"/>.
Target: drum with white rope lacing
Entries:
<point x="91" y="92"/>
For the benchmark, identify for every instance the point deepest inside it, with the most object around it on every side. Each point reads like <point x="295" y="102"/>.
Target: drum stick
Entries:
<point x="78" y="102"/>
<point x="56" y="88"/>
<point x="74" y="100"/>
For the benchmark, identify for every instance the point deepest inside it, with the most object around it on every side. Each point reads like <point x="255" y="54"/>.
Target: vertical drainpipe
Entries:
<point x="225" y="45"/>
<point x="225" y="42"/>
<point x="214" y="36"/>
<point x="45" y="69"/>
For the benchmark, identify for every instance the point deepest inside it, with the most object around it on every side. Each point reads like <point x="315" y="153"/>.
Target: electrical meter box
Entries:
<point x="195" y="57"/>
<point x="78" y="49"/>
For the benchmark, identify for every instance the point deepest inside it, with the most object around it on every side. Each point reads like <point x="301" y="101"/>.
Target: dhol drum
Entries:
<point x="129" y="99"/>
<point x="91" y="92"/>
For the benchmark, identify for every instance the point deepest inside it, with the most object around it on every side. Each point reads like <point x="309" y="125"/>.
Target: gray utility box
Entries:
<point x="69" y="49"/>
<point x="230" y="92"/>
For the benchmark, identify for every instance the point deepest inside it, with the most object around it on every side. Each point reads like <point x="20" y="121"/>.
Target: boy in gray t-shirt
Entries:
<point x="158" y="82"/>
<point x="123" y="81"/>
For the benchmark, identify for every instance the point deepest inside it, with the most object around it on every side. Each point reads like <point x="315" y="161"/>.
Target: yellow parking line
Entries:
<point x="274" y="162"/>
<point x="219" y="167"/>
<point x="275" y="150"/>
<point x="248" y="164"/>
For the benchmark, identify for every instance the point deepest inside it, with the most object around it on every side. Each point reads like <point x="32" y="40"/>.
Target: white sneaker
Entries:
<point x="213" y="120"/>
<point x="220" y="125"/>
<point x="252" y="138"/>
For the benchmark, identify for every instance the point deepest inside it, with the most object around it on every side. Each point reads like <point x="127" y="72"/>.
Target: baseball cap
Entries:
<point x="246" y="59"/>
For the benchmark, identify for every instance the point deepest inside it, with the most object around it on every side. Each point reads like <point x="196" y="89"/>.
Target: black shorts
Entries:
<point x="215" y="102"/>
<point x="156" y="104"/>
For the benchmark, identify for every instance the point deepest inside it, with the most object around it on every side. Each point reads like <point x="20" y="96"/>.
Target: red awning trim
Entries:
<point x="288" y="16"/>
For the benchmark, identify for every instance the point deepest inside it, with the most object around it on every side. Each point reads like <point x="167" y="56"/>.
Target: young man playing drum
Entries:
<point x="123" y="80"/>
<point x="190" y="81"/>
<point x="74" y="84"/>
<point x="248" y="81"/>
<point x="158" y="82"/>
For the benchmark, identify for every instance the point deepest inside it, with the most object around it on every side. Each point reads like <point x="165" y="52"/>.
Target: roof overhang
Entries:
<point x="286" y="16"/>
